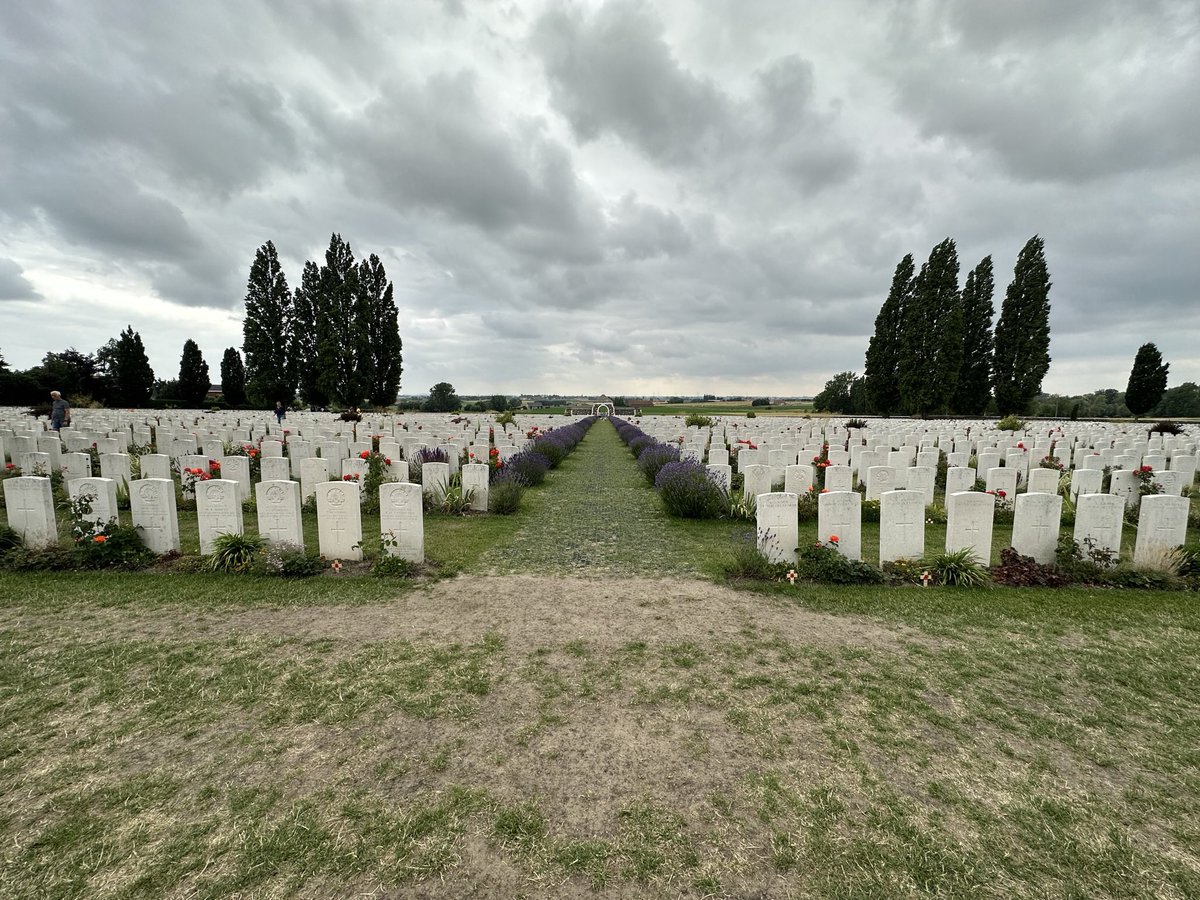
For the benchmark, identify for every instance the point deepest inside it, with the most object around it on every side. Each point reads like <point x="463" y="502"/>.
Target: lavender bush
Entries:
<point x="689" y="492"/>
<point x="654" y="457"/>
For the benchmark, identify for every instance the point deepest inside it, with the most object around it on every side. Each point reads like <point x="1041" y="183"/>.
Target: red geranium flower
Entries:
<point x="366" y="454"/>
<point x="99" y="539"/>
<point x="833" y="539"/>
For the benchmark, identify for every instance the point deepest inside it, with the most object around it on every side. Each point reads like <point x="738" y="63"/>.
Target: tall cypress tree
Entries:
<point x="380" y="357"/>
<point x="882" y="367"/>
<point x="931" y="335"/>
<point x="193" y="375"/>
<point x="233" y="377"/>
<point x="267" y="330"/>
<point x="306" y="365"/>
<point x="975" y="377"/>
<point x="1147" y="380"/>
<point x="337" y="323"/>
<point x="129" y="377"/>
<point x="1022" y="355"/>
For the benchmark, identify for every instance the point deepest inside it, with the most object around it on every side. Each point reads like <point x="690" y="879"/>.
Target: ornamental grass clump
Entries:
<point x="689" y="492"/>
<point x="958" y="568"/>
<point x="654" y="457"/>
<point x="505" y="493"/>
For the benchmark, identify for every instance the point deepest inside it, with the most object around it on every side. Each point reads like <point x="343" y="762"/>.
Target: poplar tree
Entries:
<point x="338" y="344"/>
<point x="267" y="330"/>
<point x="1022" y="354"/>
<point x="233" y="377"/>
<point x="931" y="335"/>
<point x="193" y="375"/>
<point x="1147" y="380"/>
<point x="882" y="366"/>
<point x="306" y="365"/>
<point x="382" y="328"/>
<point x="975" y="377"/>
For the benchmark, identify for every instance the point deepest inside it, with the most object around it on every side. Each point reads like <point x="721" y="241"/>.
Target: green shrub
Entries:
<point x="10" y="538"/>
<point x="823" y="562"/>
<point x="505" y="418"/>
<point x="235" y="552"/>
<point x="1167" y="427"/>
<point x="1016" y="570"/>
<point x="1010" y="423"/>
<point x="957" y="568"/>
<point x="699" y="421"/>
<point x="291" y="561"/>
<point x="855" y="423"/>
<point x="752" y="415"/>
<point x="871" y="510"/>
<point x="387" y="566"/>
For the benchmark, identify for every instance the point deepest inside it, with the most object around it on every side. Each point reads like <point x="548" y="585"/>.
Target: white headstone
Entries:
<point x="969" y="524"/>
<point x="237" y="468"/>
<point x="1086" y="481"/>
<point x="152" y="506"/>
<point x="339" y="520"/>
<point x="75" y="465"/>
<point x="839" y="514"/>
<point x="275" y="468"/>
<point x="778" y="526"/>
<point x="959" y="478"/>
<point x="1162" y="524"/>
<point x="29" y="502"/>
<point x="1002" y="479"/>
<point x="880" y="479"/>
<point x="218" y="510"/>
<point x="1036" y="521"/>
<point x="756" y="480"/>
<point x="313" y="471"/>
<point x="838" y="479"/>
<point x="278" y="506"/>
<point x="901" y="525"/>
<point x="475" y="479"/>
<point x="101" y="494"/>
<point x="1043" y="481"/>
<point x="154" y="465"/>
<point x="435" y="481"/>
<point x="1098" y="522"/>
<point x="922" y="479"/>
<point x="798" y="479"/>
<point x="401" y="520"/>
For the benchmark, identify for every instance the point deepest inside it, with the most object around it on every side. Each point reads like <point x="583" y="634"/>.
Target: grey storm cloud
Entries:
<point x="612" y="195"/>
<point x="13" y="283"/>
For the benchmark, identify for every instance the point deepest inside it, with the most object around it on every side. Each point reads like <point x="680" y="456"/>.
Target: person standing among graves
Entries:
<point x="280" y="412"/>
<point x="60" y="411"/>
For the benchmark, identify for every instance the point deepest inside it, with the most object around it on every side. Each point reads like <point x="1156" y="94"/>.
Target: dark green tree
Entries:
<point x="975" y="377"/>
<point x="836" y="396"/>
<point x="267" y="331"/>
<point x="193" y="375"/>
<point x="305" y="360"/>
<point x="442" y="398"/>
<point x="499" y="403"/>
<point x="378" y="333"/>
<point x="339" y="330"/>
<point x="71" y="372"/>
<point x="233" y="377"/>
<point x="1022" y="354"/>
<point x="1180" y="401"/>
<point x="128" y="378"/>
<point x="1147" y="380"/>
<point x="882" y="368"/>
<point x="931" y="335"/>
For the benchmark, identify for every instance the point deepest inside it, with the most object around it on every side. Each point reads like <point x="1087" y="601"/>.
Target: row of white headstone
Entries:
<point x="1162" y="524"/>
<point x="30" y="507"/>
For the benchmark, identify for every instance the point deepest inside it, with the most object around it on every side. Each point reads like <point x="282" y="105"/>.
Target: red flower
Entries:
<point x="10" y="466"/>
<point x="386" y="461"/>
<point x="366" y="454"/>
<point x="1001" y="494"/>
<point x="99" y="539"/>
<point x="833" y="539"/>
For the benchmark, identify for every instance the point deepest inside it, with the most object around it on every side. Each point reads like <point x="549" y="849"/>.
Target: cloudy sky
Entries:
<point x="623" y="197"/>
